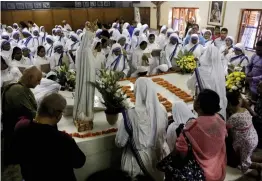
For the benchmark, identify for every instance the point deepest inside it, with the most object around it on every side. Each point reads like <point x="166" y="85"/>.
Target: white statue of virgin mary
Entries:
<point x="83" y="112"/>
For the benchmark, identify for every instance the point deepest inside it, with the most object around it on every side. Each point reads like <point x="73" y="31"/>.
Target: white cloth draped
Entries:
<point x="10" y="75"/>
<point x="85" y="92"/>
<point x="46" y="86"/>
<point x="212" y="76"/>
<point x="181" y="114"/>
<point x="149" y="122"/>
<point x="38" y="61"/>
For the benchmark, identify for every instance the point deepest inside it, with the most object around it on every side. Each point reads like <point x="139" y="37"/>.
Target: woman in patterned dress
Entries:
<point x="245" y="138"/>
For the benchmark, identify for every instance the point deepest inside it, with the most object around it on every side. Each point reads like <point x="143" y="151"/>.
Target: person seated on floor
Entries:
<point x="40" y="136"/>
<point x="181" y="114"/>
<point x="206" y="135"/>
<point x="245" y="138"/>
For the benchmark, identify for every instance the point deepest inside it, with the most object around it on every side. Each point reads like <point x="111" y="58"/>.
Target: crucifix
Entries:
<point x="158" y="11"/>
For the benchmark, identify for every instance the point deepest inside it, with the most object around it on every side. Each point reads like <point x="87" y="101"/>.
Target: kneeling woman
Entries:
<point x="143" y="132"/>
<point x="116" y="61"/>
<point x="245" y="138"/>
<point x="203" y="142"/>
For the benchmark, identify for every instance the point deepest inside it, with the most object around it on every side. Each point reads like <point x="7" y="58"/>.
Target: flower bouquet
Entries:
<point x="66" y="77"/>
<point x="235" y="81"/>
<point x="186" y="61"/>
<point x="113" y="97"/>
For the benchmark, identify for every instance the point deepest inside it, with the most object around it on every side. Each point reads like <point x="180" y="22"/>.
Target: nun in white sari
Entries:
<point x="143" y="32"/>
<point x="208" y="37"/>
<point x="181" y="114"/>
<point x="6" y="50"/>
<point x="135" y="38"/>
<point x="49" y="45"/>
<point x="126" y="33"/>
<point x="238" y="60"/>
<point x="162" y="37"/>
<point x="194" y="46"/>
<point x="115" y="32"/>
<point x="171" y="50"/>
<point x="227" y="52"/>
<point x="116" y="61"/>
<point x="100" y="59"/>
<point x="210" y="75"/>
<point x="147" y="124"/>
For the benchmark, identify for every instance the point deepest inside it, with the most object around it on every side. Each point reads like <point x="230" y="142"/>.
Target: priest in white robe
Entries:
<point x="210" y="75"/>
<point x="116" y="60"/>
<point x="145" y="125"/>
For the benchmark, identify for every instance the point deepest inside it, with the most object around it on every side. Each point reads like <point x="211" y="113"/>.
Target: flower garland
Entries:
<point x="92" y="134"/>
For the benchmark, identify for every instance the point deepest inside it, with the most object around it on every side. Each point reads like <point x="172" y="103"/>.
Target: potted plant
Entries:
<point x="113" y="97"/>
<point x="66" y="77"/>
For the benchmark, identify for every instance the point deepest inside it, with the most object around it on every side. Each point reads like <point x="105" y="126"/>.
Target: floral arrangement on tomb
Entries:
<point x="66" y="77"/>
<point x="186" y="61"/>
<point x="235" y="81"/>
<point x="113" y="97"/>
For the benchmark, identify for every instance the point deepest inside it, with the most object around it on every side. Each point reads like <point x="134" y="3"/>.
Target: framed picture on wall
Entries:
<point x="38" y="5"/>
<point x="29" y="6"/>
<point x="92" y="3"/>
<point x="100" y="3"/>
<point x="86" y="4"/>
<point x="46" y="5"/>
<point x="20" y="6"/>
<point x="78" y="4"/>
<point x="10" y="5"/>
<point x="107" y="3"/>
<point x="216" y="13"/>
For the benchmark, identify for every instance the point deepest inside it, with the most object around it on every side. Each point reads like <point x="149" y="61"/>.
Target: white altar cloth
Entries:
<point x="100" y="151"/>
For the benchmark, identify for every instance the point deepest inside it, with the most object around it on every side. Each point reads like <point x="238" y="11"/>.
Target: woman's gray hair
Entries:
<point x="51" y="105"/>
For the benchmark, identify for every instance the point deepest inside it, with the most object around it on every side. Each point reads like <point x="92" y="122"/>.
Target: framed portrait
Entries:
<point x="92" y="3"/>
<point x="46" y="5"/>
<point x="100" y="3"/>
<point x="29" y="6"/>
<point x="216" y="13"/>
<point x="86" y="4"/>
<point x="10" y="5"/>
<point x="38" y="5"/>
<point x="20" y="6"/>
<point x="78" y="4"/>
<point x="106" y="3"/>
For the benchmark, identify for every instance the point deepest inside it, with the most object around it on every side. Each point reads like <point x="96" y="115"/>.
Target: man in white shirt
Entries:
<point x="219" y="42"/>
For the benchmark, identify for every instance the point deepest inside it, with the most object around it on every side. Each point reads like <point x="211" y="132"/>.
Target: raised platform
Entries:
<point x="100" y="151"/>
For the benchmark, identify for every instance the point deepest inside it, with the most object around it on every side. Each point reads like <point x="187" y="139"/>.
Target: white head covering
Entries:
<point x="79" y="31"/>
<point x="139" y="25"/>
<point x="53" y="31"/>
<point x="15" y="33"/>
<point x="25" y="31"/>
<point x="121" y="36"/>
<point x="135" y="30"/>
<point x="75" y="35"/>
<point x="163" y="28"/>
<point x="35" y="29"/>
<point x="173" y="35"/>
<point x="5" y="36"/>
<point x="95" y="43"/>
<point x="230" y="38"/>
<point x="99" y="31"/>
<point x="141" y="39"/>
<point x="212" y="75"/>
<point x="169" y="31"/>
<point x="142" y="29"/>
<point x="240" y="46"/>
<point x="125" y="25"/>
<point x="114" y="25"/>
<point x="114" y="47"/>
<point x="50" y="37"/>
<point x="57" y="44"/>
<point x="2" y="42"/>
<point x="148" y="105"/>
<point x="41" y="28"/>
<point x="204" y="31"/>
<point x="163" y="67"/>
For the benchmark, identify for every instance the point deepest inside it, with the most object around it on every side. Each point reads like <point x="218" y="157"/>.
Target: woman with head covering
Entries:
<point x="143" y="32"/>
<point x="140" y="61"/>
<point x="207" y="34"/>
<point x="100" y="59"/>
<point x="116" y="61"/>
<point x="59" y="57"/>
<point x="210" y="75"/>
<point x="41" y="60"/>
<point x="79" y="31"/>
<point x="152" y="44"/>
<point x="9" y="30"/>
<point x="15" y="27"/>
<point x="5" y="36"/>
<point x="227" y="52"/>
<point x="97" y="36"/>
<point x="54" y="32"/>
<point x="181" y="114"/>
<point x="126" y="48"/>
<point x="29" y="41"/>
<point x="105" y="48"/>
<point x="43" y="34"/>
<point x="49" y="45"/>
<point x="238" y="60"/>
<point x="126" y="33"/>
<point x="171" y="50"/>
<point x="18" y="60"/>
<point x="139" y="25"/>
<point x="115" y="32"/>
<point x="37" y="37"/>
<point x="162" y="37"/>
<point x="135" y="39"/>
<point x="6" y="50"/>
<point x="15" y="40"/>
<point x="73" y="45"/>
<point x="9" y="74"/>
<point x="145" y="125"/>
<point x="27" y="56"/>
<point x="194" y="46"/>
<point x="59" y="36"/>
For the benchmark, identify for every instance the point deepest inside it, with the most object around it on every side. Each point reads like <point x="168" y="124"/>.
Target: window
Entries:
<point x="180" y="17"/>
<point x="250" y="30"/>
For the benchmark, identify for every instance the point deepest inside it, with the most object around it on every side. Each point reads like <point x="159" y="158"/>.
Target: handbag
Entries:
<point x="182" y="169"/>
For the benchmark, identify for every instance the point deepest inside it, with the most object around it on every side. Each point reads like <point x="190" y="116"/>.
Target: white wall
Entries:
<point x="231" y="19"/>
